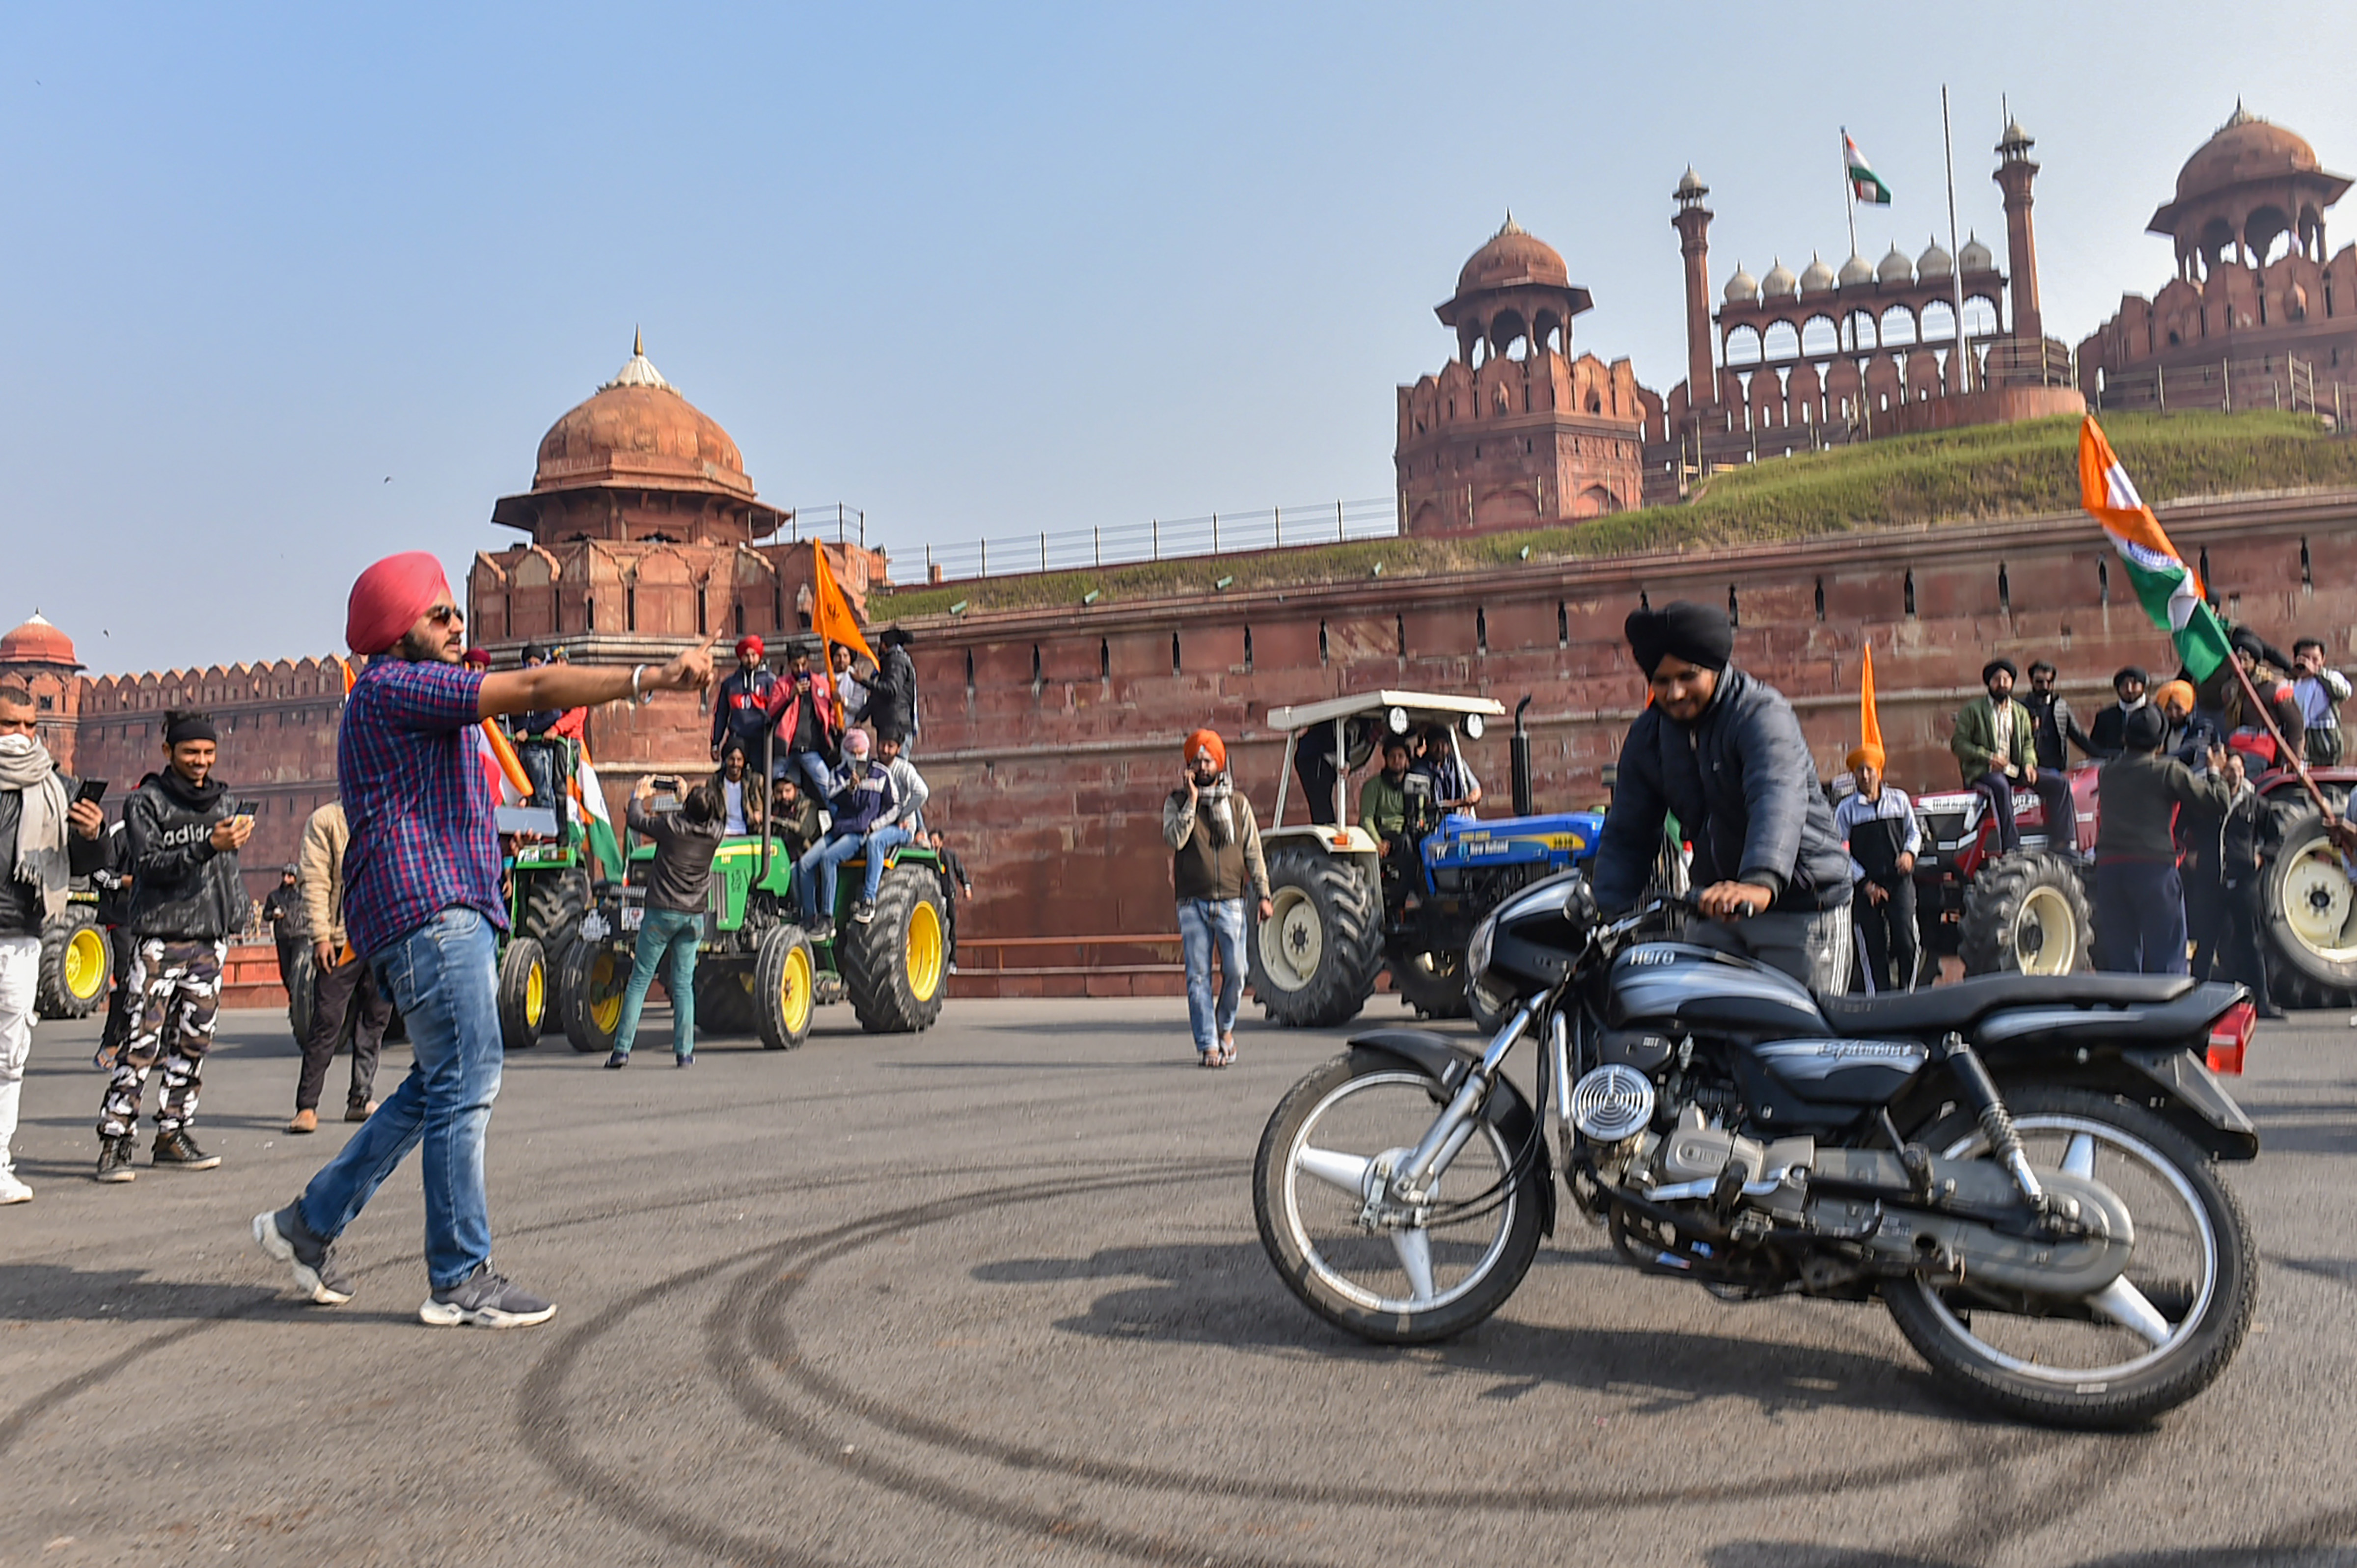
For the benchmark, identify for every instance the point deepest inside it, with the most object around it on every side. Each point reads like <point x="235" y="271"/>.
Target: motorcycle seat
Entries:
<point x="1935" y="1010"/>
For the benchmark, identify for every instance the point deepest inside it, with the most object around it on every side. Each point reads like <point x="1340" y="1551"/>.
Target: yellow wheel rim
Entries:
<point x="85" y="966"/>
<point x="605" y="994"/>
<point x="794" y="991"/>
<point x="925" y="950"/>
<point x="536" y="994"/>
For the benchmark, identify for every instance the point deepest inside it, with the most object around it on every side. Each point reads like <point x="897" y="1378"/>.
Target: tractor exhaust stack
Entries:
<point x="1520" y="751"/>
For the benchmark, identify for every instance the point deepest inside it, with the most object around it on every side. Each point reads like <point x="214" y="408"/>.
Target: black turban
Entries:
<point x="1993" y="665"/>
<point x="2144" y="729"/>
<point x="182" y="726"/>
<point x="1697" y="633"/>
<point x="2248" y="641"/>
<point x="2135" y="672"/>
<point x="894" y="637"/>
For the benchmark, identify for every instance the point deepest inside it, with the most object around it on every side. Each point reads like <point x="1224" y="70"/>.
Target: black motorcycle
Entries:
<point x="2023" y="1168"/>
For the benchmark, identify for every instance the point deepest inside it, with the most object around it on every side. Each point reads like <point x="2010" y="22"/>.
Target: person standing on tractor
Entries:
<point x="422" y="907"/>
<point x="850" y="691"/>
<point x="892" y="695"/>
<point x="1877" y="824"/>
<point x="2139" y="895"/>
<point x="2322" y="690"/>
<point x="183" y="833"/>
<point x="339" y="980"/>
<point x="804" y="725"/>
<point x="2106" y="736"/>
<point x="862" y="796"/>
<point x="1723" y="753"/>
<point x="1995" y="742"/>
<point x="2185" y="734"/>
<point x="1215" y="861"/>
<point x="748" y="702"/>
<point x="2222" y="701"/>
<point x="48" y="835"/>
<point x="678" y="887"/>
<point x="2056" y="729"/>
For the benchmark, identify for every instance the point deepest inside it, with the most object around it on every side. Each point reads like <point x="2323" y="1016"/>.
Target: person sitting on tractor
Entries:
<point x="740" y="795"/>
<point x="2185" y="734"/>
<point x="747" y="702"/>
<point x="793" y="816"/>
<point x="863" y="794"/>
<point x="678" y="887"/>
<point x="1724" y="753"/>
<point x="2105" y="738"/>
<point x="1995" y="742"/>
<point x="1389" y="813"/>
<point x="903" y="822"/>
<point x="2221" y="699"/>
<point x="1454" y="787"/>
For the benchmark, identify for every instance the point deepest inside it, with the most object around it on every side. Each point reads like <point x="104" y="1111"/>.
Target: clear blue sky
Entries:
<point x="975" y="269"/>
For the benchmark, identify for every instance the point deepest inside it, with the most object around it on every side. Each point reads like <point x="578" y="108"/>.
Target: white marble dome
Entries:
<point x="1857" y="271"/>
<point x="1976" y="257"/>
<point x="1895" y="268"/>
<point x="1742" y="288"/>
<point x="1779" y="282"/>
<point x="1816" y="277"/>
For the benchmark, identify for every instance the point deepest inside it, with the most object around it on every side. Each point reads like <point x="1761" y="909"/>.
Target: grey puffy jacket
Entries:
<point x="1744" y="790"/>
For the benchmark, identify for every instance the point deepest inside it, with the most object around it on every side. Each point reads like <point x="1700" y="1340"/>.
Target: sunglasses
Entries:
<point x="447" y="614"/>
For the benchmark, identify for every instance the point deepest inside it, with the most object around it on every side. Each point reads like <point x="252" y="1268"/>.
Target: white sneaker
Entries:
<point x="12" y="1190"/>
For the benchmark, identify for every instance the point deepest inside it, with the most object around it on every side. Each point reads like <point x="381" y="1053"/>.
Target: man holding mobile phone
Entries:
<point x="182" y="833"/>
<point x="50" y="830"/>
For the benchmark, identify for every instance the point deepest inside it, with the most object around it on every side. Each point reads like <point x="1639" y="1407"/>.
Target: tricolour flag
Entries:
<point x="591" y="795"/>
<point x="1863" y="181"/>
<point x="2169" y="591"/>
<point x="501" y="767"/>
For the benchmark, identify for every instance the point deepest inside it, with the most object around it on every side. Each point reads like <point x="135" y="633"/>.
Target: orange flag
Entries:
<point x="831" y="614"/>
<point x="1869" y="724"/>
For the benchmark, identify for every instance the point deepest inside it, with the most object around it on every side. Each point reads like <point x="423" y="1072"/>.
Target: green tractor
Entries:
<point x="546" y="862"/>
<point x="756" y="970"/>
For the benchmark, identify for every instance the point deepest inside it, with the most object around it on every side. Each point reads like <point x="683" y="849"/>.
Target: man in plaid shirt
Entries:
<point x="422" y="905"/>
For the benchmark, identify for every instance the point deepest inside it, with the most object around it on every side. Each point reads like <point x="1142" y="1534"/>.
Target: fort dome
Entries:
<point x="1856" y="270"/>
<point x="1976" y="257"/>
<point x="2245" y="148"/>
<point x="1779" y="282"/>
<point x="1934" y="263"/>
<point x="1742" y="288"/>
<point x="1514" y="255"/>
<point x="1816" y="277"/>
<point x="38" y="643"/>
<point x="637" y="428"/>
<point x="1895" y="267"/>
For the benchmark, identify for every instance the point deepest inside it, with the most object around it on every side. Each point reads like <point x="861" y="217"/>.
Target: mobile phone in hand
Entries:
<point x="90" y="790"/>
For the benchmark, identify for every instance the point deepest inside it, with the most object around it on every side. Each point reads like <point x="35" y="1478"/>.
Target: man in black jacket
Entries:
<point x="892" y="694"/>
<point x="2056" y="730"/>
<point x="1724" y="752"/>
<point x="47" y="838"/>
<point x="2139" y="896"/>
<point x="183" y="836"/>
<point x="2106" y="738"/>
<point x="283" y="913"/>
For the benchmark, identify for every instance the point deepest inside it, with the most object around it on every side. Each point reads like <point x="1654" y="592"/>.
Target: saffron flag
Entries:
<point x="501" y="766"/>
<point x="594" y="818"/>
<point x="831" y="614"/>
<point x="2169" y="591"/>
<point x="1863" y="183"/>
<point x="1869" y="722"/>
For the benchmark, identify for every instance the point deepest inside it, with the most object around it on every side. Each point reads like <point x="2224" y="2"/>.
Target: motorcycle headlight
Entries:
<point x="1477" y="951"/>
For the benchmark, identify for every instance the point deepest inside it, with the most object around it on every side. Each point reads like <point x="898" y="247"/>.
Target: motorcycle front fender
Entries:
<point x="1447" y="1063"/>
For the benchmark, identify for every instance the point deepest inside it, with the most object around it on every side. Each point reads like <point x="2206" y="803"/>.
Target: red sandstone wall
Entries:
<point x="1051" y="788"/>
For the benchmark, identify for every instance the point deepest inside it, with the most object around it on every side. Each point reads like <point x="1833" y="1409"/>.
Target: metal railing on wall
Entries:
<point x="1163" y="539"/>
<point x="2267" y="381"/>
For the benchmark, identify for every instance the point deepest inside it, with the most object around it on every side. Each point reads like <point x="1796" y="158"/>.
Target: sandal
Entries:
<point x="1227" y="1050"/>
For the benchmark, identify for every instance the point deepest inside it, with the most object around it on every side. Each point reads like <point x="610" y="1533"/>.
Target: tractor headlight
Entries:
<point x="1477" y="951"/>
<point x="1398" y="720"/>
<point x="1474" y="726"/>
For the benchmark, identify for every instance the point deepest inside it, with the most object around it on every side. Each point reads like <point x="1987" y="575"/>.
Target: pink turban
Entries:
<point x="389" y="597"/>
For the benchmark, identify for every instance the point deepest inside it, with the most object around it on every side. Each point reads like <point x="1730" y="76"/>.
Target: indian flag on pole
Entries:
<point x="594" y="818"/>
<point x="2165" y="585"/>
<point x="1864" y="182"/>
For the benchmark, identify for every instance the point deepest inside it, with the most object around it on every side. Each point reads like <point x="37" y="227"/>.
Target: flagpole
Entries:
<point x="1955" y="257"/>
<point x="1849" y="191"/>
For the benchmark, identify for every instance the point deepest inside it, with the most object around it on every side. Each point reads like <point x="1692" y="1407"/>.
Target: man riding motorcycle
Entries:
<point x="1724" y="753"/>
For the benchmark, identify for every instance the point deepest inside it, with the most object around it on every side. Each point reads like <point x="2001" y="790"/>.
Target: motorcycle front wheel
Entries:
<point x="1318" y="1195"/>
<point x="2146" y="1343"/>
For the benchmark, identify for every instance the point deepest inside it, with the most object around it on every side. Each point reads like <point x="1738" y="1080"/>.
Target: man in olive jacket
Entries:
<point x="1996" y="743"/>
<point x="1214" y="859"/>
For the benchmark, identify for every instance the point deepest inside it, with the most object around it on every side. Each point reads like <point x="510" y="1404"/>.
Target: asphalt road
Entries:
<point x="992" y="1294"/>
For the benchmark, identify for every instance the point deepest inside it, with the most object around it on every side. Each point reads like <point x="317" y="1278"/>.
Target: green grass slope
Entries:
<point x="1960" y="476"/>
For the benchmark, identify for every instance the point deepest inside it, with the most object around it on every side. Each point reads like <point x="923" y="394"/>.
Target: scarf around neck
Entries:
<point x="40" y="823"/>
<point x="1219" y="815"/>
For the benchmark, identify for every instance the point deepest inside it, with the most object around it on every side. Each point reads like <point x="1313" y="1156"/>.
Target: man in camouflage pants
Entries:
<point x="182" y="835"/>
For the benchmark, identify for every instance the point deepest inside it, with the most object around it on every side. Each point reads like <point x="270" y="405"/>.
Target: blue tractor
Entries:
<point x="1345" y="909"/>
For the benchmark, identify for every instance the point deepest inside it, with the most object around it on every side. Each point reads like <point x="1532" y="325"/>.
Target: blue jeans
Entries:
<point x="1201" y="923"/>
<point x="808" y="769"/>
<point x="666" y="934"/>
<point x="882" y="842"/>
<point x="443" y="976"/>
<point x="814" y="873"/>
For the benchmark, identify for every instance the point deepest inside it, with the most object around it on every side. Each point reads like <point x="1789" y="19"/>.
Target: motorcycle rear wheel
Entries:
<point x="1392" y="1286"/>
<point x="2192" y="1281"/>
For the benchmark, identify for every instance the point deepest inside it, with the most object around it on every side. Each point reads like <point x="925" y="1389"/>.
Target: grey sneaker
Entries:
<point x="487" y="1300"/>
<point x="285" y="1238"/>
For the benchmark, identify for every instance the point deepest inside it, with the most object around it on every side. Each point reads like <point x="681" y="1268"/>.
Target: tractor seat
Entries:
<point x="1937" y="1009"/>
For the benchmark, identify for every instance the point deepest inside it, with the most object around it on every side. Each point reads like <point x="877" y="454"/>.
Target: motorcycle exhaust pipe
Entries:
<point x="1520" y="751"/>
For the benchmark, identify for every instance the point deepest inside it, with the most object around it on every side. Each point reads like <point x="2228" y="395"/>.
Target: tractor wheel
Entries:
<point x="2028" y="914"/>
<point x="76" y="964"/>
<point x="2311" y="919"/>
<point x="523" y="993"/>
<point x="724" y="1000"/>
<point x="589" y="982"/>
<point x="1431" y="983"/>
<point x="1314" y="960"/>
<point x="552" y="916"/>
<point x="785" y="991"/>
<point x="895" y="967"/>
<point x="301" y="990"/>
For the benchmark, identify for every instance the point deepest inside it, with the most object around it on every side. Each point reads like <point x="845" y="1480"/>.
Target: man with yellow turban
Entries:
<point x="1877" y="826"/>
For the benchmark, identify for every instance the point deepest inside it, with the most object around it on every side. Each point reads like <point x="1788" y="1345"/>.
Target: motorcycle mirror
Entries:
<point x="1474" y="726"/>
<point x="1398" y="720"/>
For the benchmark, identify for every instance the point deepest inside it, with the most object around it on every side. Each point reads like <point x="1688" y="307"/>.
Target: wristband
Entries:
<point x="642" y="698"/>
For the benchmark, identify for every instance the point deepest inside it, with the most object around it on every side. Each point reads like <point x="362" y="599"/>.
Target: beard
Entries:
<point x="434" y="646"/>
